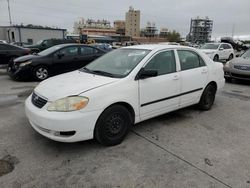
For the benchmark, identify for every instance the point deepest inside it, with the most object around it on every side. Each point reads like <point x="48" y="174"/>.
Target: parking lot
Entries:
<point x="186" y="148"/>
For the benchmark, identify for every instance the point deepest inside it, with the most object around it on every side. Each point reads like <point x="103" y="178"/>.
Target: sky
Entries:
<point x="171" y="14"/>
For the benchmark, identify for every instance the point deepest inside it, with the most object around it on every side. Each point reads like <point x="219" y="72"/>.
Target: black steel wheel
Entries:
<point x="113" y="125"/>
<point x="207" y="97"/>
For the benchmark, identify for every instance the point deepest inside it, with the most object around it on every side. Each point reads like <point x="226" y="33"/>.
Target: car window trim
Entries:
<point x="199" y="57"/>
<point x="156" y="53"/>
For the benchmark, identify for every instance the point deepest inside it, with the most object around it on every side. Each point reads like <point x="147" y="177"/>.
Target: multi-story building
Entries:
<point x="119" y="26"/>
<point x="200" y="30"/>
<point x="93" y="26"/>
<point x="150" y="30"/>
<point x="132" y="24"/>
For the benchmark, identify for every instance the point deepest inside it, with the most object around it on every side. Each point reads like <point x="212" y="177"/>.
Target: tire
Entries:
<point x="216" y="58"/>
<point x="113" y="125"/>
<point x="41" y="73"/>
<point x="228" y="80"/>
<point x="230" y="57"/>
<point x="207" y="98"/>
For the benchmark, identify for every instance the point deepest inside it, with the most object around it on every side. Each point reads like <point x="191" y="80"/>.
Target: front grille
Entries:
<point x="38" y="101"/>
<point x="240" y="76"/>
<point x="242" y="67"/>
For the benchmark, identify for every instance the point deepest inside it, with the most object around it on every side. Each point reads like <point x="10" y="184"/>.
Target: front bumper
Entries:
<point x="62" y="126"/>
<point x="236" y="74"/>
<point x="19" y="72"/>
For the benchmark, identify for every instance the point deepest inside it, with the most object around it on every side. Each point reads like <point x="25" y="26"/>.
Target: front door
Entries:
<point x="160" y="94"/>
<point x="65" y="59"/>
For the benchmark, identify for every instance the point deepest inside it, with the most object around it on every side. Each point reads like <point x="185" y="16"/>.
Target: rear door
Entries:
<point x="65" y="59"/>
<point x="194" y="75"/>
<point x="160" y="94"/>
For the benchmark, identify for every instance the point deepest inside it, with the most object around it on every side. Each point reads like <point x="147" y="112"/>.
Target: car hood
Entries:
<point x="26" y="58"/>
<point x="72" y="83"/>
<point x="240" y="61"/>
<point x="207" y="50"/>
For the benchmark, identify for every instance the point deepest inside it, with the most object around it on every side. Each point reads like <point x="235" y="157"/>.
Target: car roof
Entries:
<point x="156" y="47"/>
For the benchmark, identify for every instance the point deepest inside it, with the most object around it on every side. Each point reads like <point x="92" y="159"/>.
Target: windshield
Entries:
<point x="210" y="46"/>
<point x="49" y="50"/>
<point x="118" y="63"/>
<point x="246" y="54"/>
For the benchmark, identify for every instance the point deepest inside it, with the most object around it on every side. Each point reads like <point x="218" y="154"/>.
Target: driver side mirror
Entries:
<point x="221" y="49"/>
<point x="143" y="74"/>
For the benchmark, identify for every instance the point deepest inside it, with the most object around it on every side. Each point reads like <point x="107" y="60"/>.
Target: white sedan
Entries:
<point x="122" y="88"/>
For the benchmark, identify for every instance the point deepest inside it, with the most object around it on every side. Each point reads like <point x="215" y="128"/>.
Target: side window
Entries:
<point x="87" y="50"/>
<point x="226" y="46"/>
<point x="69" y="51"/>
<point x="189" y="60"/>
<point x="163" y="62"/>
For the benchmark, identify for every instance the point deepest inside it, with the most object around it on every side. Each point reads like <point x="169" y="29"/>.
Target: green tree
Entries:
<point x="173" y="36"/>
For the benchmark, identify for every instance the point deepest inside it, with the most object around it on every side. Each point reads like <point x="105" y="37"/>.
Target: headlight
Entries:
<point x="227" y="64"/>
<point x="68" y="104"/>
<point x="25" y="63"/>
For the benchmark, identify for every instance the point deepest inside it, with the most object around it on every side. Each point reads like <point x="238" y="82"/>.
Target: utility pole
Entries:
<point x="9" y="12"/>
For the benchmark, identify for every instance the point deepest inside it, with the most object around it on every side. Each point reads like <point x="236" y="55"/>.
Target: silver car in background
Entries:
<point x="238" y="68"/>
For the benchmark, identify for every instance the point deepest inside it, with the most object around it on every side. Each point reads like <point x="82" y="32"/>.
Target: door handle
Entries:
<point x="176" y="77"/>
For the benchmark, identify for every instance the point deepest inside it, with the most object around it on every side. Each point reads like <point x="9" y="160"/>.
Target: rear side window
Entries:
<point x="69" y="51"/>
<point x="163" y="62"/>
<point x="85" y="50"/>
<point x="190" y="60"/>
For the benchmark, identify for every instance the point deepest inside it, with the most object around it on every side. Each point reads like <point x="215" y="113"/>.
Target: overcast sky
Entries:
<point x="172" y="14"/>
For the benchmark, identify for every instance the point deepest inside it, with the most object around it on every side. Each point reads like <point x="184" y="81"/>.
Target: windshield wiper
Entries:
<point x="99" y="72"/>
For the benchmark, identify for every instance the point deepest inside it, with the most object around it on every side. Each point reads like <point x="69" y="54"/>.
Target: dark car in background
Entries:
<point x="9" y="52"/>
<point x="47" y="43"/>
<point x="55" y="60"/>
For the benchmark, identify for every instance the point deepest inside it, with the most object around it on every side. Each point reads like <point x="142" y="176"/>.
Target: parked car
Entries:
<point x="238" y="68"/>
<point x="55" y="60"/>
<point x="3" y="41"/>
<point x="218" y="51"/>
<point x="23" y="44"/>
<point x="103" y="46"/>
<point x="45" y="44"/>
<point x="123" y="87"/>
<point x="9" y="52"/>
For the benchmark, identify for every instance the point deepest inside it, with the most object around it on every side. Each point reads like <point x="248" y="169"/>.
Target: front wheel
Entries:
<point x="230" y="57"/>
<point x="207" y="97"/>
<point x="113" y="125"/>
<point x="41" y="73"/>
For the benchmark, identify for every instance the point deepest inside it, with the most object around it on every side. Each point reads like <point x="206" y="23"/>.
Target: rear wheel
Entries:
<point x="207" y="97"/>
<point x="216" y="58"/>
<point x="41" y="73"/>
<point x="113" y="125"/>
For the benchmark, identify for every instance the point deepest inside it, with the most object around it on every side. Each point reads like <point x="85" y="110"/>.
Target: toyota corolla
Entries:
<point x="124" y="87"/>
